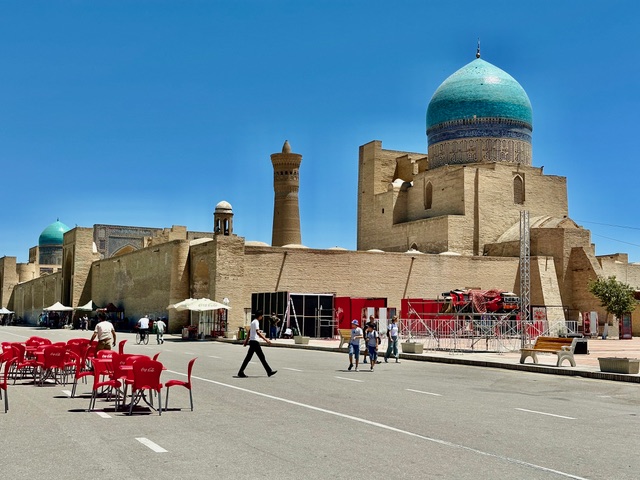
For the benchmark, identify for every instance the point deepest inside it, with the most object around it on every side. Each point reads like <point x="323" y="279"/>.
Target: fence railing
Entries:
<point x="496" y="332"/>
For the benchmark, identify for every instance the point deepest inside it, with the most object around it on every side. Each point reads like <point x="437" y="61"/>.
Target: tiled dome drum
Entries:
<point x="479" y="114"/>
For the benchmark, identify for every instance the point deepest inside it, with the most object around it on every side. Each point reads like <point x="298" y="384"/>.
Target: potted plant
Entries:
<point x="619" y="365"/>
<point x="411" y="346"/>
<point x="300" y="339"/>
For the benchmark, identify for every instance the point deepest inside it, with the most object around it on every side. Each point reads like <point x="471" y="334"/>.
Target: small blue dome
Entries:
<point x="53" y="234"/>
<point x="479" y="90"/>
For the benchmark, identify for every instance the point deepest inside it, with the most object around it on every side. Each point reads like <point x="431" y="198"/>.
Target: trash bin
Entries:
<point x="185" y="333"/>
<point x="581" y="347"/>
<point x="241" y="333"/>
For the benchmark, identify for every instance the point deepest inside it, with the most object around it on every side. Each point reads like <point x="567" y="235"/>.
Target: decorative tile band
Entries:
<point x="476" y="150"/>
<point x="478" y="128"/>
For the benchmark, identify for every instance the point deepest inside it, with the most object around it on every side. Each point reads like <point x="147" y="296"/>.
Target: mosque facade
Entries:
<point x="427" y="223"/>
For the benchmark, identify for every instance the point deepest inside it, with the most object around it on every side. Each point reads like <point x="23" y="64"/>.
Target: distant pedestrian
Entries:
<point x="354" y="344"/>
<point x="373" y="340"/>
<point x="159" y="326"/>
<point x="392" y="338"/>
<point x="105" y="332"/>
<point x="273" y="326"/>
<point x="254" y="347"/>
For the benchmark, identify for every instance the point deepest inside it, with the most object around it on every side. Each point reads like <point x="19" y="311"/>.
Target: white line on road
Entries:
<point x="389" y="428"/>
<point x="103" y="415"/>
<point x="153" y="446"/>
<point x="212" y="356"/>
<point x="292" y="369"/>
<point x="350" y="379"/>
<point x="188" y="353"/>
<point x="67" y="392"/>
<point x="544" y="413"/>
<point x="425" y="393"/>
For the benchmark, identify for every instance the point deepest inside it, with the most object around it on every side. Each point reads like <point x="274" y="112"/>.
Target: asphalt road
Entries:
<point x="316" y="420"/>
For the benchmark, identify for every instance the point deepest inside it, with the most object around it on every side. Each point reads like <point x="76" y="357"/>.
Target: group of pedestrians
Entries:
<point x="372" y="342"/>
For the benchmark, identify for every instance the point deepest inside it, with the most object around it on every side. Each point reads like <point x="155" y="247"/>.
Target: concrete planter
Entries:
<point x="619" y="365"/>
<point x="300" y="340"/>
<point x="412" y="347"/>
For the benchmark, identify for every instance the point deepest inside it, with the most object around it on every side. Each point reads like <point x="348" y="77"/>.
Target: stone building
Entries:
<point x="427" y="223"/>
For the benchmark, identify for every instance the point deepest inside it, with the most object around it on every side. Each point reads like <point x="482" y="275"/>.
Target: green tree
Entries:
<point x="616" y="297"/>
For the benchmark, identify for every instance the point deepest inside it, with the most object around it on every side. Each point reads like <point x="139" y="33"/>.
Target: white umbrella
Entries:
<point x="58" y="307"/>
<point x="198" y="305"/>
<point x="4" y="311"/>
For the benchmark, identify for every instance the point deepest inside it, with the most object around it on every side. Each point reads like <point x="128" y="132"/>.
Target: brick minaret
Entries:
<point x="286" y="182"/>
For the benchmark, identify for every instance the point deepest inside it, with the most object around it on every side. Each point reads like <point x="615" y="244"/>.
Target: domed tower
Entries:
<point x="286" y="182"/>
<point x="50" y="244"/>
<point x="479" y="114"/>
<point x="223" y="219"/>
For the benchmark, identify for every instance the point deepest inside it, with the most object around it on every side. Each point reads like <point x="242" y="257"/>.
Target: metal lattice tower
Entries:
<point x="525" y="274"/>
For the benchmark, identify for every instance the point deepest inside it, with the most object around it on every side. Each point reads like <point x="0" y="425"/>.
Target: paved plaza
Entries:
<point x="315" y="419"/>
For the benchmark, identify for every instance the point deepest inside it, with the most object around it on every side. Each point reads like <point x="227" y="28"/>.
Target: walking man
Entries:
<point x="373" y="340"/>
<point x="254" y="347"/>
<point x="354" y="344"/>
<point x="392" y="337"/>
<point x="159" y="327"/>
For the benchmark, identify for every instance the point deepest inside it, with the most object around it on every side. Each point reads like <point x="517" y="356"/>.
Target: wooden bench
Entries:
<point x="562" y="347"/>
<point x="345" y="335"/>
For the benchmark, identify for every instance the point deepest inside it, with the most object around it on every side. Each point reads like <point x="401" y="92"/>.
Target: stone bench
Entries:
<point x="563" y="348"/>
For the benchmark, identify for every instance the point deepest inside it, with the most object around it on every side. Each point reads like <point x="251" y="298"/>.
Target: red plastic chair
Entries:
<point x="4" y="383"/>
<point x="54" y="363"/>
<point x="121" y="346"/>
<point x="80" y="371"/>
<point x="22" y="364"/>
<point x="100" y="370"/>
<point x="146" y="376"/>
<point x="181" y="383"/>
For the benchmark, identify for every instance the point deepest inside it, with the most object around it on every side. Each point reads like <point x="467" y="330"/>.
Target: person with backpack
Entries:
<point x="373" y="340"/>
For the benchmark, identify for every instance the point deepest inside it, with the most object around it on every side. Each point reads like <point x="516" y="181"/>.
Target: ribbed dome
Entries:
<point x="53" y="234"/>
<point x="479" y="90"/>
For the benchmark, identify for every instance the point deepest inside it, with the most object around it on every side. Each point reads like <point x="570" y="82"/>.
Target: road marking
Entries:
<point x="544" y="413"/>
<point x="351" y="379"/>
<point x="446" y="443"/>
<point x="103" y="415"/>
<point x="213" y="356"/>
<point x="153" y="446"/>
<point x="426" y="393"/>
<point x="67" y="392"/>
<point x="188" y="353"/>
<point x="15" y="335"/>
<point x="292" y="369"/>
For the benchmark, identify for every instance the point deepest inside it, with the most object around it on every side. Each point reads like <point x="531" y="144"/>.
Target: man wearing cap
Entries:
<point x="354" y="344"/>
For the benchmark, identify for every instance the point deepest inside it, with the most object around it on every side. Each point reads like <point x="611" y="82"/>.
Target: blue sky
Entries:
<point x="149" y="113"/>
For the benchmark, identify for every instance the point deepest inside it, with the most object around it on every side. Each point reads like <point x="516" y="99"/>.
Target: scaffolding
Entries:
<point x="525" y="275"/>
<point x="464" y="330"/>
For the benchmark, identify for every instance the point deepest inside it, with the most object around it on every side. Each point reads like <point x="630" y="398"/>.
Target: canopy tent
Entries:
<point x="89" y="307"/>
<point x="58" y="307"/>
<point x="4" y="311"/>
<point x="199" y="305"/>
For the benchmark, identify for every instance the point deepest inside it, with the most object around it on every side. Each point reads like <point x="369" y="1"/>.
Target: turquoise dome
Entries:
<point x="479" y="90"/>
<point x="53" y="234"/>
